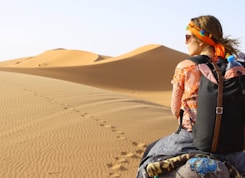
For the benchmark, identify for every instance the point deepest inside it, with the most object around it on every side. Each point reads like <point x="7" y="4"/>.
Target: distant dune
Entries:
<point x="55" y="58"/>
<point x="94" y="121"/>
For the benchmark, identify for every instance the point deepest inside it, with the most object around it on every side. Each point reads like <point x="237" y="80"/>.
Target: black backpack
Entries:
<point x="220" y="122"/>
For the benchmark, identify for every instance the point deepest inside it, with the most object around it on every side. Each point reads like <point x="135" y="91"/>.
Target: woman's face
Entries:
<point x="193" y="44"/>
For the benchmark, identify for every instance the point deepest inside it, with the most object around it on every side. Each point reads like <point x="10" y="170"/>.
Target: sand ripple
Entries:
<point x="54" y="128"/>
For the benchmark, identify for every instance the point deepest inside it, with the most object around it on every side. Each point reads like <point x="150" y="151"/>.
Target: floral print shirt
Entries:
<point x="184" y="94"/>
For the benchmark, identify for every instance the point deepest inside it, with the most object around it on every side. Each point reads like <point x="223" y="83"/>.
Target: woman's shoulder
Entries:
<point x="185" y="63"/>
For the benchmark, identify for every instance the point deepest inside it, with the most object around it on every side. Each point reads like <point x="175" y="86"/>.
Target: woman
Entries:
<point x="204" y="37"/>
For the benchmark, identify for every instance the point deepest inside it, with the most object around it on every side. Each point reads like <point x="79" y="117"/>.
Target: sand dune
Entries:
<point x="80" y="114"/>
<point x="145" y="72"/>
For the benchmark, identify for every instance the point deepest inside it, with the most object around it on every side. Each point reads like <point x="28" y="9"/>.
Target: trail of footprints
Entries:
<point x="120" y="163"/>
<point x="53" y="101"/>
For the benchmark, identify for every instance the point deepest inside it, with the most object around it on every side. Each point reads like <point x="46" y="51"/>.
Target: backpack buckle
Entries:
<point x="219" y="110"/>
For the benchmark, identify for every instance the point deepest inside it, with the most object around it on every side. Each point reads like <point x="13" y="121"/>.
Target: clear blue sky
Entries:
<point x="107" y="27"/>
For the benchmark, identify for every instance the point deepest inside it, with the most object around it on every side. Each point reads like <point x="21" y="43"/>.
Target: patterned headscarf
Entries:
<point x="207" y="38"/>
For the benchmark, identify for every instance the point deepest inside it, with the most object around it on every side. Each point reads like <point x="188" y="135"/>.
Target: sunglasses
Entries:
<point x="188" y="37"/>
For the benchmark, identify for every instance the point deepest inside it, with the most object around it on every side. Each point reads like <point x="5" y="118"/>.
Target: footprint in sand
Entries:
<point x="108" y="126"/>
<point x="121" y="137"/>
<point x="129" y="155"/>
<point x="122" y="160"/>
<point x="82" y="114"/>
<point x="64" y="106"/>
<point x="140" y="147"/>
<point x="119" y="134"/>
<point x="117" y="167"/>
<point x="103" y="123"/>
<point x="113" y="129"/>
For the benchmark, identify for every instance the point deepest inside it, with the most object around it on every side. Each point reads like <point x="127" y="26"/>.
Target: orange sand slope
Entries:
<point x="96" y="127"/>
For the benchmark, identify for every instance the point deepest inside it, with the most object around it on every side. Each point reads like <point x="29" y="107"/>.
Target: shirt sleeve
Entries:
<point x="177" y="91"/>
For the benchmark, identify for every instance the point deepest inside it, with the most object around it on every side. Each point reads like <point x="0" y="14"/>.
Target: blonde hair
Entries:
<point x="211" y="25"/>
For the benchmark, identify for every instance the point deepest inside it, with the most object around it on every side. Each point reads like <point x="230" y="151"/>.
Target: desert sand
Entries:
<point x="77" y="114"/>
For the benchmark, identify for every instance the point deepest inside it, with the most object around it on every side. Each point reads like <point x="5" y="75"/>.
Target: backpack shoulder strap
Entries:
<point x="200" y="59"/>
<point x="219" y="107"/>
